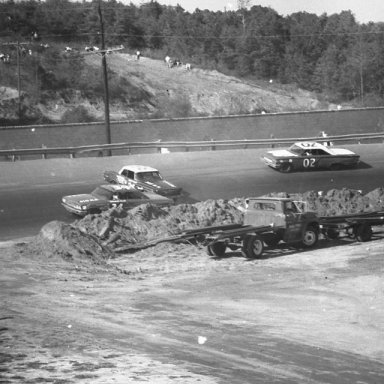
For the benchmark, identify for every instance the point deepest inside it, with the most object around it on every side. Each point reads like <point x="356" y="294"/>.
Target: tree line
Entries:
<point x="330" y="54"/>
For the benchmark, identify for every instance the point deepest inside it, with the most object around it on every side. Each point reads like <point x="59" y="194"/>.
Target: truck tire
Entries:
<point x="332" y="234"/>
<point x="310" y="236"/>
<point x="253" y="247"/>
<point x="363" y="232"/>
<point x="216" y="249"/>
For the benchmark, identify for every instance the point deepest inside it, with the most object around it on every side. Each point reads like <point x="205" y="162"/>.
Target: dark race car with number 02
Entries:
<point x="310" y="155"/>
<point x="108" y="196"/>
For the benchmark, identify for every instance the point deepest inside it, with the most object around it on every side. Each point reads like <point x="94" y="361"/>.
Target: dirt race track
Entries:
<point x="171" y="314"/>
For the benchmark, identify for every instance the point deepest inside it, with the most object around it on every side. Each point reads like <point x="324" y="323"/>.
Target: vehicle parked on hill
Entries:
<point x="143" y="178"/>
<point x="310" y="155"/>
<point x="108" y="196"/>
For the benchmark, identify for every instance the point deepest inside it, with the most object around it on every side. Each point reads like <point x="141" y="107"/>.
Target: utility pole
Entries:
<point x="18" y="46"/>
<point x="105" y="75"/>
<point x="18" y="79"/>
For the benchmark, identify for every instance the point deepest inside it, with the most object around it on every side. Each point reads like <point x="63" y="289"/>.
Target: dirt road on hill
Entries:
<point x="171" y="314"/>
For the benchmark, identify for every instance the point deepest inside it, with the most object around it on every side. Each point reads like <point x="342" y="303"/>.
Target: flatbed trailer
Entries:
<point x="357" y="226"/>
<point x="251" y="239"/>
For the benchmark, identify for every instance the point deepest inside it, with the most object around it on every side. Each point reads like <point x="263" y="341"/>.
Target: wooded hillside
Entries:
<point x="329" y="54"/>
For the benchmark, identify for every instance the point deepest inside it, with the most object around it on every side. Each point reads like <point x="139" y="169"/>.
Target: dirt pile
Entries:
<point x="343" y="202"/>
<point x="58" y="240"/>
<point x="145" y="223"/>
<point x="97" y="238"/>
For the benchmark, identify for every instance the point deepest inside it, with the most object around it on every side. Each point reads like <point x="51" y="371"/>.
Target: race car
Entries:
<point x="108" y="196"/>
<point x="143" y="178"/>
<point x="309" y="155"/>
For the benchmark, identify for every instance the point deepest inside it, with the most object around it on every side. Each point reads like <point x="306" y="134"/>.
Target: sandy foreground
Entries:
<point x="172" y="314"/>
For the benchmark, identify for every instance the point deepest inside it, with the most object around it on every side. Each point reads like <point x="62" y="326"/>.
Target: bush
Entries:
<point x="173" y="108"/>
<point x="77" y="114"/>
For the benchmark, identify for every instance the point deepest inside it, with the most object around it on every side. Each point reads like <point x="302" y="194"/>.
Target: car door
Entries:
<point x="325" y="159"/>
<point x="293" y="222"/>
<point x="310" y="159"/>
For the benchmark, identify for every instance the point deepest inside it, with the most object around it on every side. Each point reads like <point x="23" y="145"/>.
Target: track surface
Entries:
<point x="30" y="191"/>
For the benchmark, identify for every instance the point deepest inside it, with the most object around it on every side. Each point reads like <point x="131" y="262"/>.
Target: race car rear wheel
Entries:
<point x="286" y="167"/>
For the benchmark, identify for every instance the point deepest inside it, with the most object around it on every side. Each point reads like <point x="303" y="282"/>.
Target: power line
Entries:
<point x="239" y="36"/>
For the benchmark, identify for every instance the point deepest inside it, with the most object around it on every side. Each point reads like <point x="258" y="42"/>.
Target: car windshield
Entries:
<point x="102" y="193"/>
<point x="148" y="176"/>
<point x="132" y="195"/>
<point x="296" y="150"/>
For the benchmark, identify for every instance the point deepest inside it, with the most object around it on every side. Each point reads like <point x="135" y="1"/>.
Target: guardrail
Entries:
<point x="164" y="146"/>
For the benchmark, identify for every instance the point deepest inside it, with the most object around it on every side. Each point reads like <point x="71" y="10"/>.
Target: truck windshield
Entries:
<point x="290" y="206"/>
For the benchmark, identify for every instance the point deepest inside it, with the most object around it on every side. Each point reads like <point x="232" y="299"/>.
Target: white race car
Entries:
<point x="143" y="178"/>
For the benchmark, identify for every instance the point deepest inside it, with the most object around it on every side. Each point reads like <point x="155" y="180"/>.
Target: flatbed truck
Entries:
<point x="271" y="220"/>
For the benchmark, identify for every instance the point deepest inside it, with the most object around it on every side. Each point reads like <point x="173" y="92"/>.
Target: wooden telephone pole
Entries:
<point x="18" y="46"/>
<point x="105" y="75"/>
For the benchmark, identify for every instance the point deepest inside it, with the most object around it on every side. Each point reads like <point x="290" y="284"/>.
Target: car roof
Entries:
<point x="270" y="198"/>
<point x="139" y="168"/>
<point x="116" y="187"/>
<point x="310" y="145"/>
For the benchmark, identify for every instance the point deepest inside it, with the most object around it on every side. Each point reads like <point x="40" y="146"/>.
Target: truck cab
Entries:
<point x="285" y="216"/>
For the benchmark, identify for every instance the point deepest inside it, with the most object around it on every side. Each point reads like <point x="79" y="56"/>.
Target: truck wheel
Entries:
<point x="216" y="249"/>
<point x="363" y="232"/>
<point x="286" y="167"/>
<point x="254" y="247"/>
<point x="310" y="237"/>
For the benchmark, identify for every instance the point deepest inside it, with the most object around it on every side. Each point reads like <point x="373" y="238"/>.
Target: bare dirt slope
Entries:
<point x="209" y="92"/>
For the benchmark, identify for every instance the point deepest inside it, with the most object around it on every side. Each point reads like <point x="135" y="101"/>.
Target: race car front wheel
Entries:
<point x="286" y="167"/>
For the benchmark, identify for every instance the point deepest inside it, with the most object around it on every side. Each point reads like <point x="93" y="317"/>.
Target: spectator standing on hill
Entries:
<point x="327" y="143"/>
<point x="138" y="54"/>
